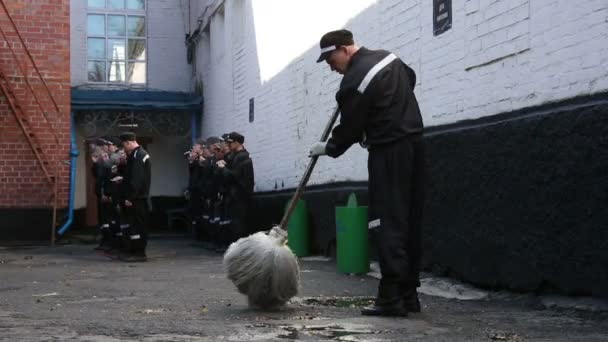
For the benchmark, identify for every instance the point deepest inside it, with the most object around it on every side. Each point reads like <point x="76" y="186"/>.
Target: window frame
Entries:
<point x="108" y="60"/>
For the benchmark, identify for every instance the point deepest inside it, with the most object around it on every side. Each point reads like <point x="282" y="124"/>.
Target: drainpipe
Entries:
<point x="73" y="156"/>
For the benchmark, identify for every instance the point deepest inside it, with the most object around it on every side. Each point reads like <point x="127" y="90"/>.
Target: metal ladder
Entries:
<point x="15" y="102"/>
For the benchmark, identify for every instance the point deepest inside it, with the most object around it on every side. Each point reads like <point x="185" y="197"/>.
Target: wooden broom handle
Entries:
<point x="313" y="160"/>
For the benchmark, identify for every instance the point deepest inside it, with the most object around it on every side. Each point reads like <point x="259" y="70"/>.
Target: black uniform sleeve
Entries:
<point x="98" y="173"/>
<point x="140" y="177"/>
<point x="105" y="181"/>
<point x="194" y="174"/>
<point x="354" y="108"/>
<point x="245" y="179"/>
<point x="240" y="174"/>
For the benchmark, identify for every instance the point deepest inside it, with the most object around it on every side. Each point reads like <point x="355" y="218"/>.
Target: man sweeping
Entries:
<point x="380" y="111"/>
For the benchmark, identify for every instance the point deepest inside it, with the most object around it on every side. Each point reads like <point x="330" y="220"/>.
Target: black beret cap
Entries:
<point x="128" y="136"/>
<point x="333" y="40"/>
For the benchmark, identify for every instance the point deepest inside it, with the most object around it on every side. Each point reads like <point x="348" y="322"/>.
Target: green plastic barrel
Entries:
<point x="351" y="237"/>
<point x="298" y="238"/>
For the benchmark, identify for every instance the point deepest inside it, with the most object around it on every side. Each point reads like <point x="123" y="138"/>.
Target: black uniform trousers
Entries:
<point x="196" y="213"/>
<point x="396" y="198"/>
<point x="104" y="216"/>
<point x="115" y="223"/>
<point x="237" y="212"/>
<point x="137" y="216"/>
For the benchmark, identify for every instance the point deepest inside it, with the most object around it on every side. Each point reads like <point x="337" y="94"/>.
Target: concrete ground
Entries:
<point x="70" y="293"/>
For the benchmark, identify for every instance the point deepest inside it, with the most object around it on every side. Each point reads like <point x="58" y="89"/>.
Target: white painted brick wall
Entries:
<point x="167" y="26"/>
<point x="78" y="42"/>
<point x="499" y="56"/>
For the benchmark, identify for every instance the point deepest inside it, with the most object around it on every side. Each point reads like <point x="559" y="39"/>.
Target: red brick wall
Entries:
<point x="45" y="28"/>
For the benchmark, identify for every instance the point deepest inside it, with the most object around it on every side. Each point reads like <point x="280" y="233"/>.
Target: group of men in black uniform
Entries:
<point x="121" y="169"/>
<point x="220" y="187"/>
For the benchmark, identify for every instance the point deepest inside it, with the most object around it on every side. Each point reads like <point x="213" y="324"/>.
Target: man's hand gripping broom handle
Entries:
<point x="280" y="231"/>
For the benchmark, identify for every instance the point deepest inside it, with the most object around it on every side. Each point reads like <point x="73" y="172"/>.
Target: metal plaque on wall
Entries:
<point x="442" y="16"/>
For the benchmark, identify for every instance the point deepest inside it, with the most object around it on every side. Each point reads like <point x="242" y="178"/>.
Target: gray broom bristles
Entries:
<point x="264" y="268"/>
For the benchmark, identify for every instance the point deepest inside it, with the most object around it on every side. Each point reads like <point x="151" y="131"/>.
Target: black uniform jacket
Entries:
<point x="137" y="175"/>
<point x="100" y="173"/>
<point x="238" y="174"/>
<point x="196" y="178"/>
<point x="377" y="102"/>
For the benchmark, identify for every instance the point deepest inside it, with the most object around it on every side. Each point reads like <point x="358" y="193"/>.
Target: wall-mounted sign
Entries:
<point x="442" y="16"/>
<point x="251" y="110"/>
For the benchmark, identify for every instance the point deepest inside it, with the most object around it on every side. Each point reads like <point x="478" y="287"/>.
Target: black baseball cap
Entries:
<point x="101" y="142"/>
<point x="333" y="40"/>
<point x="235" y="136"/>
<point x="127" y="136"/>
<point x="113" y="141"/>
<point x="213" y="140"/>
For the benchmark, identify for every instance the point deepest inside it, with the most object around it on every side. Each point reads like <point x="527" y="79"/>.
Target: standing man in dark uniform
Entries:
<point x="101" y="170"/>
<point x="379" y="110"/>
<point x="209" y="192"/>
<point x="195" y="179"/>
<point x="237" y="174"/>
<point x="115" y="192"/>
<point x="137" y="190"/>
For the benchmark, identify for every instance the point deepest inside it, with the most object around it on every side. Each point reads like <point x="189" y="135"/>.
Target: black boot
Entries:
<point x="137" y="252"/>
<point x="389" y="301"/>
<point x="106" y="239"/>
<point x="385" y="310"/>
<point x="136" y="257"/>
<point x="411" y="302"/>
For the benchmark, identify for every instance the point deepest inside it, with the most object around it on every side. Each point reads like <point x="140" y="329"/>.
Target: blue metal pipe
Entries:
<point x="73" y="157"/>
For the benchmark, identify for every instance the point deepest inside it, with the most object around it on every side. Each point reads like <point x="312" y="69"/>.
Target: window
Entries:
<point x="116" y="41"/>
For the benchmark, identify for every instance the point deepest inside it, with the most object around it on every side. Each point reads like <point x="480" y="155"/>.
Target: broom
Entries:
<point x="261" y="265"/>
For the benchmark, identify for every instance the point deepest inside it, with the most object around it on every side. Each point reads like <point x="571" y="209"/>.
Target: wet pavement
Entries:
<point x="70" y="293"/>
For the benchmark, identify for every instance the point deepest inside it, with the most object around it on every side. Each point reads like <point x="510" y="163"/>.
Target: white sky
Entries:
<point x="287" y="28"/>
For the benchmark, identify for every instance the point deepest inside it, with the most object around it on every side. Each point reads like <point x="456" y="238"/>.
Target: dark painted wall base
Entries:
<point x="34" y="225"/>
<point x="517" y="200"/>
<point x="25" y="224"/>
<point x="521" y="202"/>
<point x="158" y="216"/>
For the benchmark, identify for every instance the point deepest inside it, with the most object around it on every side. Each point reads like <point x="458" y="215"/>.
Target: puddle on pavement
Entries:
<point x="336" y="332"/>
<point x="503" y="336"/>
<point x="338" y="302"/>
<point x="10" y="288"/>
<point x="101" y="299"/>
